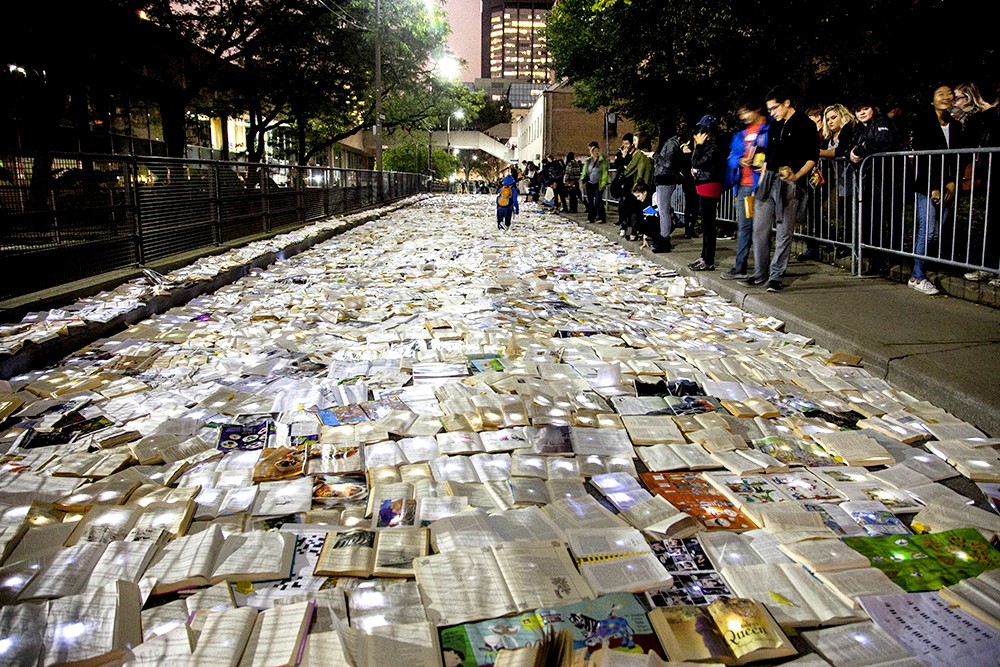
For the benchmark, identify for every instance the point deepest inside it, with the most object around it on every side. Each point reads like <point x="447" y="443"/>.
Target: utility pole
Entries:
<point x="378" y="95"/>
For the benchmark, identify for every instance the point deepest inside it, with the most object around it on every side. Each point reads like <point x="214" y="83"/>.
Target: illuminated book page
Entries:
<point x="540" y="574"/>
<point x="224" y="636"/>
<point x="483" y="593"/>
<point x="93" y="624"/>
<point x="122" y="560"/>
<point x="67" y="573"/>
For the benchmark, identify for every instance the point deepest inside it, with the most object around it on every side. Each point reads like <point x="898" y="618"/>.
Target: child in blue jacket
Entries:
<point x="507" y="205"/>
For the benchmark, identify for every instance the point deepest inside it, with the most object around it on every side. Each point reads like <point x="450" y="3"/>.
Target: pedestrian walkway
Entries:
<point x="943" y="350"/>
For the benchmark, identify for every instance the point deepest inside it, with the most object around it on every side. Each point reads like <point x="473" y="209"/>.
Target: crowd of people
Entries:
<point x="772" y="169"/>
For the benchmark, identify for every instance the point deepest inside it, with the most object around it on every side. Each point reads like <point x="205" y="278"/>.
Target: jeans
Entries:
<point x="664" y="195"/>
<point x="777" y="203"/>
<point x="928" y="223"/>
<point x="595" y="199"/>
<point x="744" y="229"/>
<point x="504" y="214"/>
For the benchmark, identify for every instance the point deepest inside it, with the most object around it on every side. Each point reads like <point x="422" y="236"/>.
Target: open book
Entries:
<point x="207" y="558"/>
<point x="616" y="559"/>
<point x="363" y="553"/>
<point x="979" y="596"/>
<point x="734" y="632"/>
<point x="791" y="594"/>
<point x="497" y="581"/>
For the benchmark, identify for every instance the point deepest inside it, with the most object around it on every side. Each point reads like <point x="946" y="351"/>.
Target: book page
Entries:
<point x="282" y="633"/>
<point x="526" y="524"/>
<point x="122" y="560"/>
<point x="855" y="645"/>
<point x="350" y="552"/>
<point x="254" y="556"/>
<point x="581" y="512"/>
<point x="395" y="550"/>
<point x="540" y="574"/>
<point x="97" y="623"/>
<point x="186" y="558"/>
<point x="633" y="574"/>
<point x="925" y="624"/>
<point x="597" y="543"/>
<point x="224" y="636"/>
<point x="401" y="644"/>
<point x="67" y="573"/>
<point x="484" y="593"/>
<point x="466" y="530"/>
<point x="849" y="585"/>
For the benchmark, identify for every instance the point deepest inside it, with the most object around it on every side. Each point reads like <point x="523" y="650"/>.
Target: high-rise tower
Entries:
<point x="513" y="47"/>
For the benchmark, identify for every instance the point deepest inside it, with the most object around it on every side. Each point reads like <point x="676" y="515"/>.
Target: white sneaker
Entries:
<point x="977" y="276"/>
<point x="925" y="286"/>
<point x="995" y="282"/>
<point x="621" y="232"/>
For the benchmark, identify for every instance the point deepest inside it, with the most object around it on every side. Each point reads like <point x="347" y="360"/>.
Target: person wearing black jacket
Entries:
<point x="668" y="161"/>
<point x="934" y="179"/>
<point x="792" y="152"/>
<point x="708" y="168"/>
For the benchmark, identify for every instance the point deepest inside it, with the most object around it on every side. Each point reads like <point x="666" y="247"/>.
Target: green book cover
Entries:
<point x="929" y="561"/>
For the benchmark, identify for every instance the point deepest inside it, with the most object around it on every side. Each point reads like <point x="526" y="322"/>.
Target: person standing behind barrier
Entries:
<point x="982" y="130"/>
<point x="667" y="162"/>
<point x="708" y="167"/>
<point x="792" y="151"/>
<point x="621" y="186"/>
<point x="934" y="179"/>
<point x="875" y="134"/>
<point x="839" y="127"/>
<point x="746" y="154"/>
<point x="571" y="179"/>
<point x="595" y="179"/>
<point x="640" y="168"/>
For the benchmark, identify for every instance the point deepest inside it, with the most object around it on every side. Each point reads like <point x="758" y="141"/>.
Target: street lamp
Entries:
<point x="459" y="114"/>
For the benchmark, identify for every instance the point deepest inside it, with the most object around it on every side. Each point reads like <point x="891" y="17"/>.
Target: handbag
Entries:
<point x="815" y="179"/>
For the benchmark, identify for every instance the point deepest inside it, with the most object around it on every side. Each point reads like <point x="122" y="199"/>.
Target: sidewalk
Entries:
<point x="940" y="349"/>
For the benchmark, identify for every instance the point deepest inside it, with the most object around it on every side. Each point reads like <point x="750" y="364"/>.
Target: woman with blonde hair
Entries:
<point x="838" y="131"/>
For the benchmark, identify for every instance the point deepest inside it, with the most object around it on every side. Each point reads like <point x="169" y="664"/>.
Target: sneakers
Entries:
<point x="733" y="274"/>
<point x="700" y="265"/>
<point x="621" y="232"/>
<point x="774" y="286"/>
<point x="978" y="276"/>
<point x="924" y="286"/>
<point x="752" y="281"/>
<point x="808" y="256"/>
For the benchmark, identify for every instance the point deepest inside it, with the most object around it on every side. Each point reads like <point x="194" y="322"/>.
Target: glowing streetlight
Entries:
<point x="459" y="114"/>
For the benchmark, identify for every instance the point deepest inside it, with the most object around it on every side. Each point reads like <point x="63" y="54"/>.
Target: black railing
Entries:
<point x="67" y="217"/>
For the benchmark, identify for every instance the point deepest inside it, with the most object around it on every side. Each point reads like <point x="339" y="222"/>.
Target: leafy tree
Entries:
<point x="666" y="61"/>
<point x="410" y="155"/>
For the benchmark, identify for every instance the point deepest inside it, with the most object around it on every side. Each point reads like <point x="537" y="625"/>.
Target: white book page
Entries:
<point x="852" y="584"/>
<point x="540" y="574"/>
<point x="67" y="573"/>
<point x="282" y="630"/>
<point x="465" y="530"/>
<point x="92" y="624"/>
<point x="431" y="509"/>
<point x="171" y="648"/>
<point x="525" y="525"/>
<point x="483" y="593"/>
<point x="659" y="458"/>
<point x="122" y="560"/>
<point x="187" y="557"/>
<point x="396" y="548"/>
<point x="581" y="512"/>
<point x="769" y="585"/>
<point x="589" y="542"/>
<point x="933" y="631"/>
<point x="827" y="606"/>
<point x="634" y="574"/>
<point x="855" y="645"/>
<point x="255" y="556"/>
<point x="401" y="644"/>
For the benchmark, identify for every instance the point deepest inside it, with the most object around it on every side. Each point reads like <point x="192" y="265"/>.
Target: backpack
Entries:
<point x="505" y="196"/>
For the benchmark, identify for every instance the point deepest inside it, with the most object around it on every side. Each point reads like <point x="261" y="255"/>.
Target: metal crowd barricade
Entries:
<point x="931" y="205"/>
<point x="65" y="217"/>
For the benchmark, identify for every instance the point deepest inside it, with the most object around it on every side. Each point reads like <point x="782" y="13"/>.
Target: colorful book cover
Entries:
<point x="484" y="363"/>
<point x="803" y="485"/>
<point x="879" y="522"/>
<point x="793" y="452"/>
<point x="352" y="413"/>
<point x="691" y="493"/>
<point x="245" y="437"/>
<point x="617" y="621"/>
<point x="931" y="561"/>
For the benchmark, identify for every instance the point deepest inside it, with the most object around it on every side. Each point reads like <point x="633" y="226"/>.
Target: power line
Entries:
<point x="343" y="16"/>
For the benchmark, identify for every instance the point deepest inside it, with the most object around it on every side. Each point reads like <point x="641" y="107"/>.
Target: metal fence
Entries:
<point x="888" y="205"/>
<point x="71" y="216"/>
